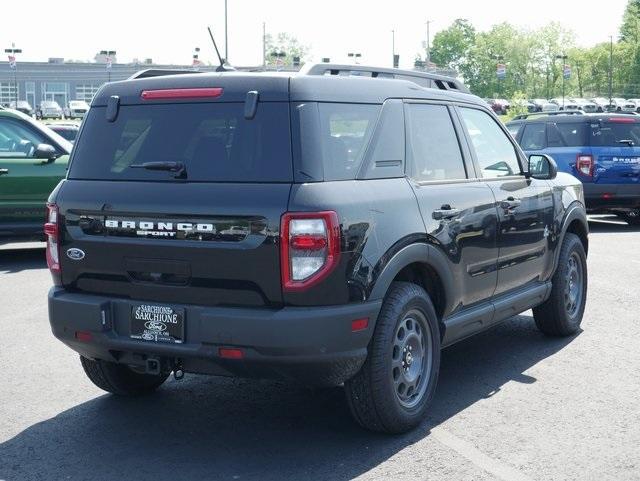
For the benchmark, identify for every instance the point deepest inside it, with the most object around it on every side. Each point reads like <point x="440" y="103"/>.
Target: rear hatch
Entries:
<point x="177" y="197"/>
<point x="615" y="146"/>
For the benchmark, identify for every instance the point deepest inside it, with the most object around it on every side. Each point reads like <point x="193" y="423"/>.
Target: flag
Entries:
<point x="12" y="61"/>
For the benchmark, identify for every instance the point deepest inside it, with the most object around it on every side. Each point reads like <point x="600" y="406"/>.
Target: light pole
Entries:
<point x="428" y="22"/>
<point x="393" y="48"/>
<point x="109" y="54"/>
<point x="12" y="52"/>
<point x="564" y="58"/>
<point x="196" y="60"/>
<point x="354" y="56"/>
<point x="610" y="70"/>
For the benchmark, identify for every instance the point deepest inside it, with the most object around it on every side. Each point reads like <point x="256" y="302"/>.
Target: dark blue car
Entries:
<point x="602" y="150"/>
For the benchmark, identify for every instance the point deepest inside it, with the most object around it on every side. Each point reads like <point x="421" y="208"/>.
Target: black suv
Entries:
<point x="336" y="226"/>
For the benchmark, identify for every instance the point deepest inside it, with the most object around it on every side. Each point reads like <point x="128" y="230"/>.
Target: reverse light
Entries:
<point x="309" y="248"/>
<point x="584" y="165"/>
<point x="52" y="231"/>
<point x="194" y="93"/>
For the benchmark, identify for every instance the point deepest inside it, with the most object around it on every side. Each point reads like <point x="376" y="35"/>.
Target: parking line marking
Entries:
<point x="477" y="457"/>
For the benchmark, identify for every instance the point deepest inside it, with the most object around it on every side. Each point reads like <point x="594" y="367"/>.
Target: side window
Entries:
<point x="345" y="133"/>
<point x="495" y="152"/>
<point x="17" y="140"/>
<point x="534" y="137"/>
<point x="433" y="144"/>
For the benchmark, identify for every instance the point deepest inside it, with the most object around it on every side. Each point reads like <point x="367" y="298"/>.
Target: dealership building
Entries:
<point x="63" y="81"/>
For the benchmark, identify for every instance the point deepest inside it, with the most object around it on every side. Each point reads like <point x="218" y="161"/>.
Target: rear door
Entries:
<point x="458" y="210"/>
<point x="524" y="206"/>
<point x="206" y="234"/>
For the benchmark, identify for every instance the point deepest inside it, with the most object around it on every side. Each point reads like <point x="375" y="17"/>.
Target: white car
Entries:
<point x="586" y="106"/>
<point x="76" y="109"/>
<point x="550" y="106"/>
<point x="623" y="105"/>
<point x="637" y="102"/>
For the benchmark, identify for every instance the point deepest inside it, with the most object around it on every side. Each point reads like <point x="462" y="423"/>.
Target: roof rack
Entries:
<point x="424" y="79"/>
<point x="159" y="72"/>
<point x="557" y="112"/>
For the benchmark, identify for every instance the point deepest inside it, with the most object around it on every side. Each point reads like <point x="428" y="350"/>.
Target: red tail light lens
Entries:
<point x="584" y="165"/>
<point x="196" y="93"/>
<point x="622" y="120"/>
<point x="52" y="231"/>
<point x="309" y="248"/>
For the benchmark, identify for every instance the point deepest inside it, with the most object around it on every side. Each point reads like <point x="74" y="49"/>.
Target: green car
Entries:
<point x="33" y="159"/>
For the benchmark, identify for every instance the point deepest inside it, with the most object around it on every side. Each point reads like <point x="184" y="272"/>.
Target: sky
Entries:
<point x="168" y="31"/>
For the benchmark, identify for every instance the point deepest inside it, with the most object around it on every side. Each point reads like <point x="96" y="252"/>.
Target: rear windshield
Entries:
<point x="213" y="141"/>
<point x="567" y="134"/>
<point x="613" y="134"/>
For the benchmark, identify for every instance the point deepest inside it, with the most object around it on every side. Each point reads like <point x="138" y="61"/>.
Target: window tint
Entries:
<point x="433" y="143"/>
<point x="565" y="134"/>
<point x="495" y="152"/>
<point x="610" y="134"/>
<point x="534" y="137"/>
<point x="16" y="140"/>
<point x="213" y="140"/>
<point x="345" y="130"/>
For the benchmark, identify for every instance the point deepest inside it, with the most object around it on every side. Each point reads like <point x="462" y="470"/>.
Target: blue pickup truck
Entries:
<point x="602" y="150"/>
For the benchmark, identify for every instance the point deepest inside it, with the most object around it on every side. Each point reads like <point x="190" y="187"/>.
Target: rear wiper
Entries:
<point x="170" y="166"/>
<point x="629" y="142"/>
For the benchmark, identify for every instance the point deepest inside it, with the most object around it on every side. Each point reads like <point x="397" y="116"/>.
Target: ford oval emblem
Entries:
<point x="75" y="254"/>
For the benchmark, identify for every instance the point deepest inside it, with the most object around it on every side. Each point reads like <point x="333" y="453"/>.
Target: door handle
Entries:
<point x="510" y="204"/>
<point x="445" y="212"/>
<point x="4" y="171"/>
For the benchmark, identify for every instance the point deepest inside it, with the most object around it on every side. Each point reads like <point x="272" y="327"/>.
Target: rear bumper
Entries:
<point x="312" y="345"/>
<point x="610" y="197"/>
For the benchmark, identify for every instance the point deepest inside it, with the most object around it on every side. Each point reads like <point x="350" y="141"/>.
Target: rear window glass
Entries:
<point x="212" y="140"/>
<point x="345" y="130"/>
<point x="612" y="134"/>
<point x="565" y="134"/>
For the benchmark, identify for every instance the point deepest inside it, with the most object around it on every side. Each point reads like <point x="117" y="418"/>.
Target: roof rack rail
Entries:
<point x="423" y="79"/>
<point x="159" y="72"/>
<point x="555" y="112"/>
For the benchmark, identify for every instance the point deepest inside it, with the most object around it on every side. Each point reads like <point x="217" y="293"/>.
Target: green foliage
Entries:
<point x="532" y="63"/>
<point x="285" y="43"/>
<point x="518" y="104"/>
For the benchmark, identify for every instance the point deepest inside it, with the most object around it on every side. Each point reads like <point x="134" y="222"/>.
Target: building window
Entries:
<point x="57" y="91"/>
<point x="86" y="92"/>
<point x="30" y="93"/>
<point x="7" y="93"/>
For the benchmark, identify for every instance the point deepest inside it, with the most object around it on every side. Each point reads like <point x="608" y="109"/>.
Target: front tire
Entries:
<point x="561" y="314"/>
<point x="119" y="379"/>
<point x="393" y="390"/>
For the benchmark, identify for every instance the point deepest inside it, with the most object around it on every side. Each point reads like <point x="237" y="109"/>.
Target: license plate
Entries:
<point x="157" y="323"/>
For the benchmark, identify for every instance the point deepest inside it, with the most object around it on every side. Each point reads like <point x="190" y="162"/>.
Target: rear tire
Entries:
<point x="561" y="314"/>
<point x="119" y="379"/>
<point x="393" y="390"/>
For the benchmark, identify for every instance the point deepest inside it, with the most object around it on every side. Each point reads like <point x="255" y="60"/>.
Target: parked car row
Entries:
<point x="591" y="105"/>
<point x="50" y="109"/>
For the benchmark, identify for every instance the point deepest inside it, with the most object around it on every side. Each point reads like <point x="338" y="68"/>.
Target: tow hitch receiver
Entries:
<point x="153" y="366"/>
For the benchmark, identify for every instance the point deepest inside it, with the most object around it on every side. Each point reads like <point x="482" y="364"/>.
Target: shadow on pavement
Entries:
<point x="610" y="225"/>
<point x="212" y="428"/>
<point x="18" y="260"/>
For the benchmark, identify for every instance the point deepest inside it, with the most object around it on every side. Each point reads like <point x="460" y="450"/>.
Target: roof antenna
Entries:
<point x="224" y="66"/>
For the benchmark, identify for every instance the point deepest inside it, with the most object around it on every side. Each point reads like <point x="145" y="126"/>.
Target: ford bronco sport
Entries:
<point x="323" y="227"/>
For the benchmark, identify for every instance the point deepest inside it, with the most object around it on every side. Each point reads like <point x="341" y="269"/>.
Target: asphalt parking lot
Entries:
<point x="511" y="404"/>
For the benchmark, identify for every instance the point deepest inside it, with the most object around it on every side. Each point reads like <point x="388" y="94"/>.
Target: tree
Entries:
<point x="287" y="44"/>
<point x="451" y="46"/>
<point x="630" y="42"/>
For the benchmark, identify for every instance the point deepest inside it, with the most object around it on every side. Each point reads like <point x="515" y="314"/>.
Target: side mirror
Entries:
<point x="542" y="167"/>
<point x="45" y="151"/>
